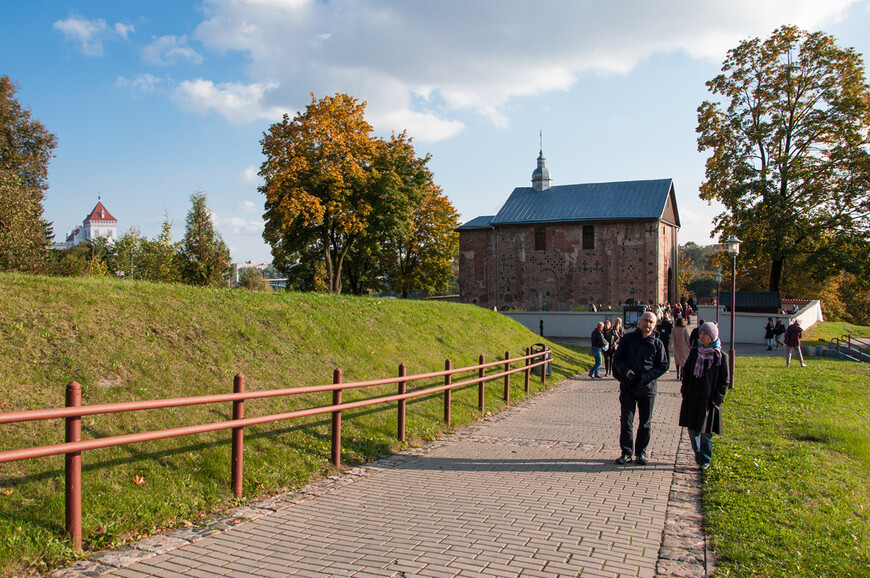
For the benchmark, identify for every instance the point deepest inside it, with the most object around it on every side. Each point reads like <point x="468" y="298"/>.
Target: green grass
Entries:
<point x="125" y="341"/>
<point x="789" y="490"/>
<point x="822" y="333"/>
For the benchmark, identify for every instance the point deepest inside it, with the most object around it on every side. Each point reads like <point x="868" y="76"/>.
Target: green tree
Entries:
<point x="317" y="178"/>
<point x="252" y="279"/>
<point x="25" y="150"/>
<point x="203" y="258"/>
<point x="790" y="157"/>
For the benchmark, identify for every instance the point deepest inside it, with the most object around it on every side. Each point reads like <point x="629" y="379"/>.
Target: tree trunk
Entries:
<point x="776" y="274"/>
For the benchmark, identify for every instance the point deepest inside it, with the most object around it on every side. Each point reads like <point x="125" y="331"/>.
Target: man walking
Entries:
<point x="793" y="342"/>
<point x="640" y="359"/>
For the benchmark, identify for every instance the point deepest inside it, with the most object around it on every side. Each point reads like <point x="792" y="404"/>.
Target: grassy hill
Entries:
<point x="125" y="341"/>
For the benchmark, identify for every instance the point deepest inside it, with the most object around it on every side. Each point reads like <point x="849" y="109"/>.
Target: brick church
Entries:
<point x="560" y="248"/>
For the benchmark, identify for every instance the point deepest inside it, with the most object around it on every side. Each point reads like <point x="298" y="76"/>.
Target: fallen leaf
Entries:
<point x="258" y="484"/>
<point x="187" y="523"/>
<point x="139" y="480"/>
<point x="8" y="492"/>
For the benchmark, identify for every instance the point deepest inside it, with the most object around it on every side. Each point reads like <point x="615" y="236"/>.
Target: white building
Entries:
<point x="99" y="223"/>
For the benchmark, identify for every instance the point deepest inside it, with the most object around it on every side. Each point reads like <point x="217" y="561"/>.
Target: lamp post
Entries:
<point x="718" y="278"/>
<point x="733" y="250"/>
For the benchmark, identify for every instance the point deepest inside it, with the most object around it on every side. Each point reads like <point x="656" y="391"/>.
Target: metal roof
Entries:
<point x="584" y="202"/>
<point x="476" y="223"/>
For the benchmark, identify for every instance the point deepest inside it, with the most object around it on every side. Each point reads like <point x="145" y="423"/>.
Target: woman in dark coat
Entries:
<point x="705" y="382"/>
<point x="610" y="338"/>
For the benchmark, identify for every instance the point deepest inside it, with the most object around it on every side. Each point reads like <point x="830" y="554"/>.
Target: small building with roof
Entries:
<point x="98" y="223"/>
<point x="568" y="247"/>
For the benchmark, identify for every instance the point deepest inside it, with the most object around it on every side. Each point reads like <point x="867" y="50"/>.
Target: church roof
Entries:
<point x="617" y="201"/>
<point x="100" y="214"/>
<point x="476" y="223"/>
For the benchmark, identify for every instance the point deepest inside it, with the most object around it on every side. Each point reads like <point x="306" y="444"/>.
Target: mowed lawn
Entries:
<point x="789" y="490"/>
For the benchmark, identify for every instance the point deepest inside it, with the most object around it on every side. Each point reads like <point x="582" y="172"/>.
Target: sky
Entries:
<point x="154" y="100"/>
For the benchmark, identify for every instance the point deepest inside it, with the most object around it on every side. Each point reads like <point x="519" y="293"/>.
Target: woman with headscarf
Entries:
<point x="704" y="384"/>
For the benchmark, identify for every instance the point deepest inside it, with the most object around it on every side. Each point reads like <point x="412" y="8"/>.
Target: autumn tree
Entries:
<point x="789" y="154"/>
<point x="25" y="150"/>
<point x="203" y="258"/>
<point x="317" y="176"/>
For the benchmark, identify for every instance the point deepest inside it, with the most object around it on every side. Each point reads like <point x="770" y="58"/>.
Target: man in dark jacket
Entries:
<point x="640" y="359"/>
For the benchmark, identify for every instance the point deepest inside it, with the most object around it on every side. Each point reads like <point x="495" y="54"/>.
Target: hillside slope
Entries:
<point x="125" y="341"/>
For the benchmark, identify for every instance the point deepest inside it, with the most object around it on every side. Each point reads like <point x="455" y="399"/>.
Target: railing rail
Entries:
<point x="853" y="351"/>
<point x="74" y="411"/>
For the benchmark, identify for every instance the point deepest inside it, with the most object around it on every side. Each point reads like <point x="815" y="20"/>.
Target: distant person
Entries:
<point x="681" y="345"/>
<point x="693" y="337"/>
<point x="704" y="384"/>
<point x="769" y="333"/>
<point x="639" y="361"/>
<point x="610" y="338"/>
<point x="666" y="328"/>
<point x="793" y="342"/>
<point x="778" y="331"/>
<point x="599" y="344"/>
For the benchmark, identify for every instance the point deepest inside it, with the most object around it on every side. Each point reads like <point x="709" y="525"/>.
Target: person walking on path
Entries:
<point x="793" y="342"/>
<point x="769" y="332"/>
<point x="681" y="345"/>
<point x="639" y="361"/>
<point x="610" y="338"/>
<point x="693" y="336"/>
<point x="704" y="384"/>
<point x="665" y="329"/>
<point x="599" y="344"/>
<point x="778" y="331"/>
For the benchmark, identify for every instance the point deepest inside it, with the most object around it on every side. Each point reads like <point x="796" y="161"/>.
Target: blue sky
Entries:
<point x="152" y="100"/>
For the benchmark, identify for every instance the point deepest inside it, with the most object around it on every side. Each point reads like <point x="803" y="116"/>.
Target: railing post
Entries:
<point x="73" y="469"/>
<point x="507" y="378"/>
<point x="403" y="385"/>
<point x="481" y="373"/>
<point x="544" y="366"/>
<point x="528" y="369"/>
<point x="336" y="421"/>
<point x="448" y="393"/>
<point x="238" y="436"/>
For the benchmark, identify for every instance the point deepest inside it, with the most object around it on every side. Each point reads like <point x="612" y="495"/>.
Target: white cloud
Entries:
<point x="236" y="102"/>
<point x="141" y="82"/>
<point x="168" y="50"/>
<point x="240" y="226"/>
<point x="89" y="35"/>
<point x="422" y="66"/>
<point x="250" y="176"/>
<point x="247" y="206"/>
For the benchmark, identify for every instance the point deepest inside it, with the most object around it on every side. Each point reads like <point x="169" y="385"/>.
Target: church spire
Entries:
<point x="541" y="175"/>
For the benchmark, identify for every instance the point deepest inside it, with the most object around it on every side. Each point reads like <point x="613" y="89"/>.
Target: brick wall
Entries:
<point x="630" y="260"/>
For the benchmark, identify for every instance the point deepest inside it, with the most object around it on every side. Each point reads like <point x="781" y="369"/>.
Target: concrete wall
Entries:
<point x="748" y="327"/>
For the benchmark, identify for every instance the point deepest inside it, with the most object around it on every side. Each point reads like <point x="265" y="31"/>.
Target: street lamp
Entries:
<point x="718" y="278"/>
<point x="733" y="249"/>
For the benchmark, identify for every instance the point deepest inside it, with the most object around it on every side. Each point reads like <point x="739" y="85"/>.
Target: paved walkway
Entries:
<point x="532" y="491"/>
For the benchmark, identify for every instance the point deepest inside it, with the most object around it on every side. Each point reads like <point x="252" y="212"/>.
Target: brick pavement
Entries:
<point x="532" y="491"/>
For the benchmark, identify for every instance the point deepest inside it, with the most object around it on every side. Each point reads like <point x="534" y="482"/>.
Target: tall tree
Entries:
<point x="790" y="158"/>
<point x="25" y="150"/>
<point x="204" y="258"/>
<point x="418" y="258"/>
<point x="317" y="178"/>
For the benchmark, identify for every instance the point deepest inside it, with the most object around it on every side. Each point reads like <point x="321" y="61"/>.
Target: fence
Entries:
<point x="73" y="412"/>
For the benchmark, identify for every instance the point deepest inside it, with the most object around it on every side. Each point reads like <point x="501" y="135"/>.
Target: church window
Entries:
<point x="588" y="236"/>
<point x="540" y="239"/>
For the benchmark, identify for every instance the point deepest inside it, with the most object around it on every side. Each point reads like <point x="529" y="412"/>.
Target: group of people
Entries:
<point x="774" y="333"/>
<point x="640" y="357"/>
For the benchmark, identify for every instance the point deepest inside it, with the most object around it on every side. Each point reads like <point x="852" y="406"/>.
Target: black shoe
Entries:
<point x="642" y="459"/>
<point x="623" y="459"/>
<point x="596" y="376"/>
<point x="770" y="348"/>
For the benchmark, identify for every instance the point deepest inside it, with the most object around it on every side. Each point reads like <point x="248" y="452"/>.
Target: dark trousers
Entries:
<point x="629" y="405"/>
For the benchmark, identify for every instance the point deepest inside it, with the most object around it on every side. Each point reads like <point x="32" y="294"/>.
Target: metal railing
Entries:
<point x="73" y="412"/>
<point x="852" y="351"/>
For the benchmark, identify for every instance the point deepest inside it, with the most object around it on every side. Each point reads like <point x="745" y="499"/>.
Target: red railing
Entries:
<point x="852" y="350"/>
<point x="73" y="412"/>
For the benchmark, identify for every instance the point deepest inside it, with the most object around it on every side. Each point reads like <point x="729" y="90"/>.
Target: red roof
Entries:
<point x="100" y="214"/>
